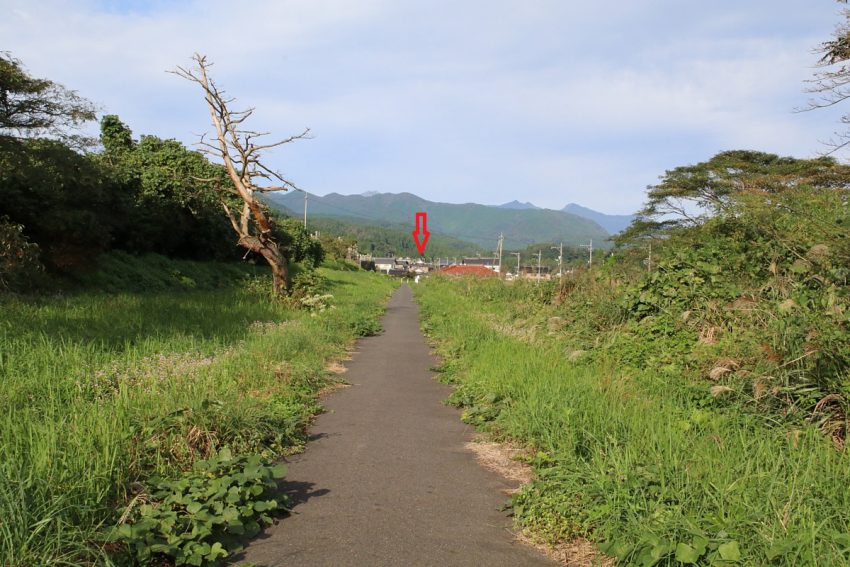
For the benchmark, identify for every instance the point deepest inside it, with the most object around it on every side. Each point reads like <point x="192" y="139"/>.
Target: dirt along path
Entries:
<point x="386" y="479"/>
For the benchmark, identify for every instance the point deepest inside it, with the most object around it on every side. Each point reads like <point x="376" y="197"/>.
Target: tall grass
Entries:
<point x="649" y="467"/>
<point x="103" y="390"/>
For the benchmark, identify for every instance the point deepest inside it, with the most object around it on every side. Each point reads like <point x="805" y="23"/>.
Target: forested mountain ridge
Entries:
<point x="478" y="224"/>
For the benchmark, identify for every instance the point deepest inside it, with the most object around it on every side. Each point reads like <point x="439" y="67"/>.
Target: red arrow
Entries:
<point x="424" y="230"/>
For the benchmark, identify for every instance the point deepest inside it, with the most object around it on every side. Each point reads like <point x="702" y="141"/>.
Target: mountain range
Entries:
<point x="612" y="223"/>
<point x="522" y="224"/>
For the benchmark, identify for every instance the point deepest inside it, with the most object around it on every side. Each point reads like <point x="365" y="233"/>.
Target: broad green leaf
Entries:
<point x="699" y="544"/>
<point x="686" y="554"/>
<point x="730" y="551"/>
<point x="216" y="551"/>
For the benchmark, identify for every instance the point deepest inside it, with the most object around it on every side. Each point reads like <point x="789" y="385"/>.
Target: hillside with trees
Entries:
<point x="478" y="224"/>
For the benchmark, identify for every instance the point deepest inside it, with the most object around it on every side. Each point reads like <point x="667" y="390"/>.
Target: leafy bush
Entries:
<point x="366" y="325"/>
<point x="297" y="244"/>
<point x="307" y="291"/>
<point x="309" y="282"/>
<point x="20" y="266"/>
<point x="204" y="515"/>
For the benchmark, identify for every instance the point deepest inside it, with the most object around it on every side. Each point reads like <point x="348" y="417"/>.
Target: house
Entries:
<point x="384" y="264"/>
<point x="420" y="267"/>
<point x="489" y="263"/>
<point x="460" y="270"/>
<point x="392" y="265"/>
<point x="535" y="272"/>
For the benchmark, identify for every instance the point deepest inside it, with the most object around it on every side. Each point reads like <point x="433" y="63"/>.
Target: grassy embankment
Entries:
<point x="632" y="450"/>
<point x="104" y="390"/>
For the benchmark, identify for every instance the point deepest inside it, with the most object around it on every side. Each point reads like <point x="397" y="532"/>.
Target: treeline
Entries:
<point x="66" y="199"/>
<point x="384" y="241"/>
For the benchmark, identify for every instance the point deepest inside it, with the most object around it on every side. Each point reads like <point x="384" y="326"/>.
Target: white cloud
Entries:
<point x="549" y="101"/>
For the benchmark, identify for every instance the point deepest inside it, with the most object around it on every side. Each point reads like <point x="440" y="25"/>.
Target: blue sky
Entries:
<point x="548" y="101"/>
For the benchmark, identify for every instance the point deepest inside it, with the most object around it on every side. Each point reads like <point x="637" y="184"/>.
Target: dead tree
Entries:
<point x="832" y="84"/>
<point x="237" y="148"/>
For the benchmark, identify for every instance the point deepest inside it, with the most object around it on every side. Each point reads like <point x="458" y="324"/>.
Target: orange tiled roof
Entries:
<point x="480" y="271"/>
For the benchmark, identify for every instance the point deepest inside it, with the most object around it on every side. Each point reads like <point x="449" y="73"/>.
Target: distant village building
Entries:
<point x="463" y="270"/>
<point x="489" y="263"/>
<point x="390" y="265"/>
<point x="407" y="267"/>
<point x="384" y="264"/>
<point x="420" y="267"/>
<point x="535" y="272"/>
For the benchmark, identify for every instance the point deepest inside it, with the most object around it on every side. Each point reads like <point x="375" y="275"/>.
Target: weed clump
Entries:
<point x="204" y="515"/>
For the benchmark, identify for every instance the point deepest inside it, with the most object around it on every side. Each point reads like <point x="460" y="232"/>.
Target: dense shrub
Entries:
<point x="20" y="266"/>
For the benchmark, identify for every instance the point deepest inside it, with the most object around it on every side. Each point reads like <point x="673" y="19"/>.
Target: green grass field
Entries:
<point x="103" y="390"/>
<point x="644" y="463"/>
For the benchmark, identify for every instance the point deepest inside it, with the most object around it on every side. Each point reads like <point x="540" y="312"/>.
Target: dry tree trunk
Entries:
<point x="237" y="149"/>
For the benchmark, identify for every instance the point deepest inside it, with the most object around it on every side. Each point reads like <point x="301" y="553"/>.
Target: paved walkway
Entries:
<point x="386" y="479"/>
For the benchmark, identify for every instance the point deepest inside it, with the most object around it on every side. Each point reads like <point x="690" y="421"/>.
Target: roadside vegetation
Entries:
<point x="111" y="399"/>
<point x="691" y="410"/>
<point x="153" y="373"/>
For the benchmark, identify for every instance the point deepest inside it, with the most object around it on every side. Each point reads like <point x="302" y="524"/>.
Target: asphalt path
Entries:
<point x="385" y="479"/>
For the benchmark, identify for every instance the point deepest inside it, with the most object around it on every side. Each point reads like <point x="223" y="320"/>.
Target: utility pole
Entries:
<point x="560" y="250"/>
<point x="305" y="207"/>
<point x="590" y="250"/>
<point x="517" y="262"/>
<point x="539" y="257"/>
<point x="501" y="241"/>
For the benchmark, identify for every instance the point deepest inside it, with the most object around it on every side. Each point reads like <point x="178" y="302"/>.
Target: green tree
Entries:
<point x="31" y="107"/>
<point x="19" y="258"/>
<point x="115" y="136"/>
<point x="62" y="198"/>
<point x="174" y="208"/>
<point x="687" y="195"/>
<point x="337" y="247"/>
<point x="297" y="245"/>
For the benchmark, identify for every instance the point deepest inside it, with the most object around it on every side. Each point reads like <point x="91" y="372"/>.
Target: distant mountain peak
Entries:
<point x="611" y="223"/>
<point x="370" y="193"/>
<point x="517" y="205"/>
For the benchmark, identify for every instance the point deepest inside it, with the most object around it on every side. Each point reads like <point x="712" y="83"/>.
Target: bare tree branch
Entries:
<point x="236" y="148"/>
<point x="832" y="85"/>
